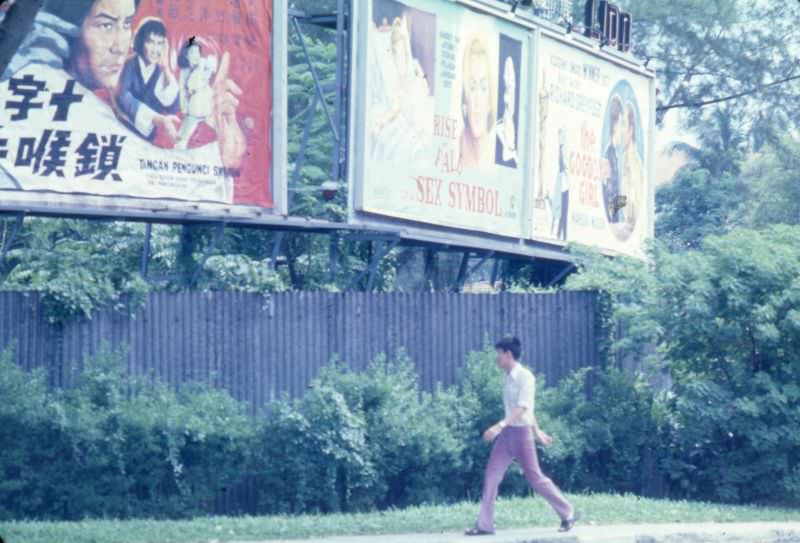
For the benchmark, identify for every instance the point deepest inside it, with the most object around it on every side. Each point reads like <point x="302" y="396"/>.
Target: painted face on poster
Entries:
<point x="435" y="100"/>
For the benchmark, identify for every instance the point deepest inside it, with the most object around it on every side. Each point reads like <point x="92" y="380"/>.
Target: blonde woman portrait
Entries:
<point x="477" y="145"/>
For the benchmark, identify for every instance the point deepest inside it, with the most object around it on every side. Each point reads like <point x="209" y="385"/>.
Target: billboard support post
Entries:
<point x="148" y="233"/>
<point x="342" y="50"/>
<point x="495" y="270"/>
<point x="462" y="272"/>
<point x="562" y="274"/>
<point x="315" y="76"/>
<point x="465" y="271"/>
<point x="216" y="237"/>
<point x="276" y="249"/>
<point x="301" y="154"/>
<point x="384" y="246"/>
<point x="333" y="254"/>
<point x="336" y="118"/>
<point x="12" y="236"/>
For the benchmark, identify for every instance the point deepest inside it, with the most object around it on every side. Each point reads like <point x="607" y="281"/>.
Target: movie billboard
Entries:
<point x="442" y="125"/>
<point x="152" y="99"/>
<point x="591" y="179"/>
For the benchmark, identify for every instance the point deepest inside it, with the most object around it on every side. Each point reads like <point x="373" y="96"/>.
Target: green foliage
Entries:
<point x="722" y="321"/>
<point x="625" y="288"/>
<point x="697" y="204"/>
<point x="605" y="437"/>
<point x="706" y="50"/>
<point x="480" y="389"/>
<point x="242" y="273"/>
<point x="77" y="266"/>
<point x="93" y="450"/>
<point x="773" y="186"/>
<point x="726" y="327"/>
<point x="358" y="441"/>
<point x="705" y="196"/>
<point x="32" y="442"/>
<point x="732" y="337"/>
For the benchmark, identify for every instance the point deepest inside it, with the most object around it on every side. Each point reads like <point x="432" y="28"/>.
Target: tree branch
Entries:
<point x="703" y="103"/>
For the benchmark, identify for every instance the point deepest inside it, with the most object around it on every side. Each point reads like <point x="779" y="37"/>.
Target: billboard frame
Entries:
<point x="449" y="236"/>
<point x="90" y="205"/>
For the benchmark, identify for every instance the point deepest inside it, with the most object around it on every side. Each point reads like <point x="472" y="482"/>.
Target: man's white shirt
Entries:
<point x="519" y="387"/>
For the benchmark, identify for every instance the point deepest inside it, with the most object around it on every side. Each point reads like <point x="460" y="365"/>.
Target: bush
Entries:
<point x="358" y="441"/>
<point x="32" y="443"/>
<point x="314" y="455"/>
<point x="725" y="324"/>
<point x="606" y="437"/>
<point x="736" y="446"/>
<point x="93" y="450"/>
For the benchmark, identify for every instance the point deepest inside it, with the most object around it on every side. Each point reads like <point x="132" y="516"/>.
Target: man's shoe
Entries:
<point x="568" y="524"/>
<point x="477" y="531"/>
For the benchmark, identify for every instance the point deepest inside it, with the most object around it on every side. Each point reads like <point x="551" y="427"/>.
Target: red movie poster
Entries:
<point x="163" y="99"/>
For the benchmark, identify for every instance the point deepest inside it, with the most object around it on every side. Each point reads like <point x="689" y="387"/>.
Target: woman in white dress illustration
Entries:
<point x="196" y="92"/>
<point x="402" y="109"/>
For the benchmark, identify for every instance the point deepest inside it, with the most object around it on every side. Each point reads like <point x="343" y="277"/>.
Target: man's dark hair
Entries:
<point x="74" y="11"/>
<point x="509" y="344"/>
<point x="153" y="26"/>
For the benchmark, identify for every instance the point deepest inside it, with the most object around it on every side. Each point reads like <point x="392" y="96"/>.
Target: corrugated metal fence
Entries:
<point x="258" y="347"/>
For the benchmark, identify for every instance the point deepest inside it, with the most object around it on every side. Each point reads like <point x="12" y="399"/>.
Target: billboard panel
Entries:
<point x="441" y="95"/>
<point x="592" y="182"/>
<point x="156" y="99"/>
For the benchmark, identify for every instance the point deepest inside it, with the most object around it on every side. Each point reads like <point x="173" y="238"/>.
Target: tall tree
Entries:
<point x="773" y="182"/>
<point x="739" y="54"/>
<point x="705" y="196"/>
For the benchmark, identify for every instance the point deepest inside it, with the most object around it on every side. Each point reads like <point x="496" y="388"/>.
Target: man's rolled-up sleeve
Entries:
<point x="526" y="389"/>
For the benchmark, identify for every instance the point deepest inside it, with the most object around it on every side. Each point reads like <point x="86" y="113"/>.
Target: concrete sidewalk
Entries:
<point x="755" y="532"/>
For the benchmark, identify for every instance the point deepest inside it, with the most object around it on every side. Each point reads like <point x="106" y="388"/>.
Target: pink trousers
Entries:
<point x="516" y="443"/>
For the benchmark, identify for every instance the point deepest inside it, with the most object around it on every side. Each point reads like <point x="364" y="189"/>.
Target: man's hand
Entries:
<point x="492" y="432"/>
<point x="545" y="438"/>
<point x="231" y="138"/>
<point x="163" y="63"/>
<point x="168" y="123"/>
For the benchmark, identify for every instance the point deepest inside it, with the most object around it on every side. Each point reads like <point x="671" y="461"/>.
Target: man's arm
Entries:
<point x="126" y="103"/>
<point x="540" y="434"/>
<point x="495" y="429"/>
<point x="166" y="90"/>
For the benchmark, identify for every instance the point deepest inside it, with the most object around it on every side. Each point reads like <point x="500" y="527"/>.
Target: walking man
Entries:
<point x="515" y="442"/>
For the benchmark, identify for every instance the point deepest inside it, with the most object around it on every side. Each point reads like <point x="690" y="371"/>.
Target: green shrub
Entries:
<point x="358" y="441"/>
<point x="736" y="446"/>
<point x="111" y="446"/>
<point x="32" y="443"/>
<point x="604" y="437"/>
<point x="724" y="322"/>
<point x="93" y="450"/>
